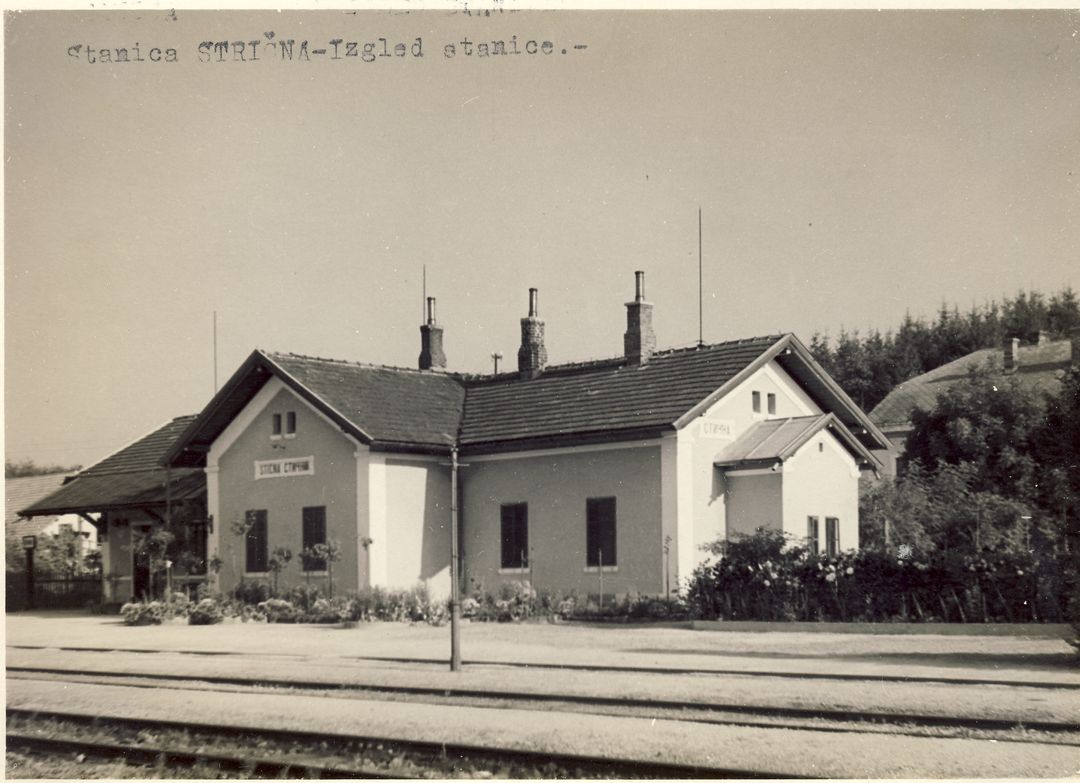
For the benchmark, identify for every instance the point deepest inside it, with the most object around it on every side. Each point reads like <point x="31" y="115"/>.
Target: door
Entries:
<point x="140" y="579"/>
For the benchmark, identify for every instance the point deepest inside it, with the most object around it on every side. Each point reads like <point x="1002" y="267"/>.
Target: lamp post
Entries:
<point x="455" y="566"/>
<point x="29" y="544"/>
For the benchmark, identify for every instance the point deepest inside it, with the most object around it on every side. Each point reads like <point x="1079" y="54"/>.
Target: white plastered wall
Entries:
<point x="236" y="429"/>
<point x="822" y="479"/>
<point x="705" y="438"/>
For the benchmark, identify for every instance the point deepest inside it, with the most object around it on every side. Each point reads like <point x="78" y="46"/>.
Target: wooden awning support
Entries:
<point x="97" y="523"/>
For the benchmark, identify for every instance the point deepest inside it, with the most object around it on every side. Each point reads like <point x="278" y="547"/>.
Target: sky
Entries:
<point x="849" y="167"/>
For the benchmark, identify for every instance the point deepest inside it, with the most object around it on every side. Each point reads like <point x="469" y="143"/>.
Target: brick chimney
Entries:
<point x="1011" y="354"/>
<point x="639" y="342"/>
<point x="532" y="355"/>
<point x="431" y="350"/>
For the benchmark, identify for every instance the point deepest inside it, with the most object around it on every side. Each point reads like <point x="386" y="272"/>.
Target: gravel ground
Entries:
<point x="972" y="701"/>
<point x="1008" y="658"/>
<point x="781" y="752"/>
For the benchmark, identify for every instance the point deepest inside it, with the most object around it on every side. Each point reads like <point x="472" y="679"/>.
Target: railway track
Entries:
<point x="746" y="715"/>
<point x="391" y="758"/>
<point x="622" y="669"/>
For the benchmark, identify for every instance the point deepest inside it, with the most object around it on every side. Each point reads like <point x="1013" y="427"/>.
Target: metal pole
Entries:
<point x="215" y="352"/>
<point x="701" y="294"/>
<point x="30" y="579"/>
<point x="168" y="529"/>
<point x="455" y="587"/>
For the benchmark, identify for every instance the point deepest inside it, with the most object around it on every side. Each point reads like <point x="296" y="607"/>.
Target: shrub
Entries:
<point x="143" y="613"/>
<point x="757" y="580"/>
<point x="303" y="596"/>
<point x="276" y="610"/>
<point x="327" y="611"/>
<point x="206" y="612"/>
<point x="253" y="593"/>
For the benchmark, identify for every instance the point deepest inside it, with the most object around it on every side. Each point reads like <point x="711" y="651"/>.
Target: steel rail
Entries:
<point x="801" y="713"/>
<point x="673" y="670"/>
<point x="171" y="758"/>
<point x="441" y="753"/>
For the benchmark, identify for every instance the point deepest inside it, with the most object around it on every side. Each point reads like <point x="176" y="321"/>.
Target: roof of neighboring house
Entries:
<point x="133" y="477"/>
<point x="775" y="440"/>
<point x="1039" y="369"/>
<point x="20" y="493"/>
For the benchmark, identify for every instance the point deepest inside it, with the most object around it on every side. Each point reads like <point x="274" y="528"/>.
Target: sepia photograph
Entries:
<point x="441" y="391"/>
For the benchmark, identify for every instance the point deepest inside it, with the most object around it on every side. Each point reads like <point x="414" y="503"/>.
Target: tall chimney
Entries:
<point x="1011" y="354"/>
<point x="431" y="350"/>
<point x="532" y="355"/>
<point x="639" y="342"/>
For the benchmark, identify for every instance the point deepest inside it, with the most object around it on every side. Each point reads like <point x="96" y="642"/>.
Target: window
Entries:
<point x="832" y="536"/>
<point x="257" y="544"/>
<point x="812" y="535"/>
<point x="771" y="400"/>
<point x="515" y="535"/>
<point x="290" y="423"/>
<point x="314" y="522"/>
<point x="600" y="532"/>
<point x="755" y="398"/>
<point x="275" y="430"/>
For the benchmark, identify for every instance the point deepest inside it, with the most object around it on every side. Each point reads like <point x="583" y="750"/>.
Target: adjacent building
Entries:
<point x="1038" y="367"/>
<point x="618" y="469"/>
<point x="79" y="532"/>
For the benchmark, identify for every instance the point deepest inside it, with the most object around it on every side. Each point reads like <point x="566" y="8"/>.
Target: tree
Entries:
<point x="328" y="553"/>
<point x="986" y="422"/>
<point x="279" y="559"/>
<point x="28" y="467"/>
<point x="1057" y="442"/>
<point x="940" y="510"/>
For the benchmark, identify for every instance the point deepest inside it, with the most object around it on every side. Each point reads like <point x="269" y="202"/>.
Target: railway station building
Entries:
<point x="620" y="469"/>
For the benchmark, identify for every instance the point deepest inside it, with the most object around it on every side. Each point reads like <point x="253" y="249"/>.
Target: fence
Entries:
<point x="73" y="592"/>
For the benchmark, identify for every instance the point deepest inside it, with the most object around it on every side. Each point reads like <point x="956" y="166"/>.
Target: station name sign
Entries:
<point x="717" y="429"/>
<point x="278" y="468"/>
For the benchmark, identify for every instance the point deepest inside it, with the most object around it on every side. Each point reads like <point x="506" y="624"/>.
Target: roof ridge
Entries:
<point x="354" y="363"/>
<point x="129" y="444"/>
<point x="465" y="376"/>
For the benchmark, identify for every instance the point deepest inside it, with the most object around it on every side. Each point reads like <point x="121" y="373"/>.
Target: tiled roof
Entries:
<point x="21" y="492"/>
<point x="391" y="405"/>
<point x="1039" y="369"/>
<point x="396" y="408"/>
<point x="145" y="453"/>
<point x="132" y="477"/>
<point x="602" y="396"/>
<point x="35" y="526"/>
